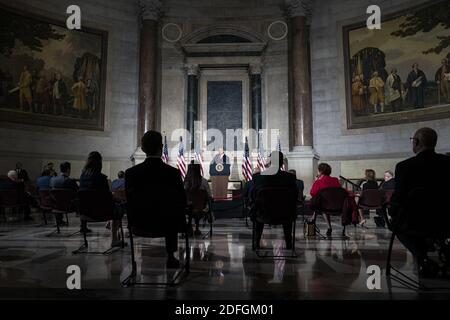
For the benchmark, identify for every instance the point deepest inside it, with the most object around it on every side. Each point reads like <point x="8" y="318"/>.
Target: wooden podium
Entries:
<point x="219" y="174"/>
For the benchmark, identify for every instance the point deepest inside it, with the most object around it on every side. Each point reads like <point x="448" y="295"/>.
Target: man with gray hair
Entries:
<point x="389" y="181"/>
<point x="417" y="203"/>
<point x="13" y="183"/>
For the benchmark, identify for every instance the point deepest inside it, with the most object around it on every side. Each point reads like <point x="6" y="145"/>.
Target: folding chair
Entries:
<point x="331" y="202"/>
<point x="371" y="199"/>
<point x="419" y="202"/>
<point x="46" y="203"/>
<point x="199" y="206"/>
<point x="64" y="202"/>
<point x="97" y="206"/>
<point x="11" y="200"/>
<point x="275" y="206"/>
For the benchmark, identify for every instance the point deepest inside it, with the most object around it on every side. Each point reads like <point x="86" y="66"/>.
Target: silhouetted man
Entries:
<point x="281" y="179"/>
<point x="155" y="197"/>
<point x="418" y="198"/>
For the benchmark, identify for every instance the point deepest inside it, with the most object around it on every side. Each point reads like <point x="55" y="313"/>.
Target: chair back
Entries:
<point x="46" y="201"/>
<point x="198" y="200"/>
<point x="331" y="200"/>
<point x="119" y="196"/>
<point x="388" y="195"/>
<point x="276" y="205"/>
<point x="10" y="198"/>
<point x="426" y="213"/>
<point x="371" y="198"/>
<point x="63" y="199"/>
<point x="95" y="205"/>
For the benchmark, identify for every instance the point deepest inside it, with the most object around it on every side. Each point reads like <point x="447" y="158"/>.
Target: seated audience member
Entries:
<point x="300" y="184"/>
<point x="280" y="179"/>
<point x="51" y="167"/>
<point x="389" y="181"/>
<point x="155" y="196"/>
<point x="119" y="183"/>
<point x="92" y="178"/>
<point x="13" y="183"/>
<point x="43" y="182"/>
<point x="323" y="180"/>
<point x="425" y="172"/>
<point x="63" y="181"/>
<point x="249" y="185"/>
<point x="370" y="181"/>
<point x="195" y="181"/>
<point x="22" y="174"/>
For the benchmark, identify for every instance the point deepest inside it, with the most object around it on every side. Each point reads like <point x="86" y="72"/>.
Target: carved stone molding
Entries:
<point x="192" y="69"/>
<point x="295" y="8"/>
<point x="150" y="9"/>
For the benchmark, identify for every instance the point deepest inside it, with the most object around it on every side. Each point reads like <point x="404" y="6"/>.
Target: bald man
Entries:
<point x="418" y="198"/>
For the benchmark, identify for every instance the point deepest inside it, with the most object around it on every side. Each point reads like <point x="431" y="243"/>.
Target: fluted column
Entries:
<point x="255" y="85"/>
<point x="192" y="100"/>
<point x="147" y="113"/>
<point x="299" y="12"/>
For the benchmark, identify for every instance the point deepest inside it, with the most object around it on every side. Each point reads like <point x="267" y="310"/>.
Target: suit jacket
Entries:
<point x="281" y="179"/>
<point x="156" y="199"/>
<point x="97" y="181"/>
<point x="221" y="159"/>
<point x="419" y="200"/>
<point x="63" y="182"/>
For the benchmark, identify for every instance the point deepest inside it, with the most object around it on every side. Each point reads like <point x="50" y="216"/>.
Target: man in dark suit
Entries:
<point x="156" y="198"/>
<point x="274" y="177"/>
<point x="22" y="174"/>
<point x="418" y="198"/>
<point x="12" y="182"/>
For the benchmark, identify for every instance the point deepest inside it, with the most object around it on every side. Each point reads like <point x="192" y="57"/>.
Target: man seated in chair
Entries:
<point x="274" y="177"/>
<point x="13" y="183"/>
<point x="156" y="197"/>
<point x="426" y="172"/>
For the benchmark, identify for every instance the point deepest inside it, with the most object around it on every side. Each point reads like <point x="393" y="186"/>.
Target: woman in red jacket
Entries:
<point x="323" y="180"/>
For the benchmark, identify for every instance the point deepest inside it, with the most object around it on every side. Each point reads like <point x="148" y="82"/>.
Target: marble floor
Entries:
<point x="33" y="266"/>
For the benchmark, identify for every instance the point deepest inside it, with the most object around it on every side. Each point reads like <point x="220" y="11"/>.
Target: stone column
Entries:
<point x="298" y="12"/>
<point x="255" y="86"/>
<point x="192" y="101"/>
<point x="147" y="113"/>
<point x="302" y="157"/>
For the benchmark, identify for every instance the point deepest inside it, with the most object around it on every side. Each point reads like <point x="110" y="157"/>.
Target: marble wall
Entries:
<point x="348" y="151"/>
<point x="36" y="146"/>
<point x="352" y="151"/>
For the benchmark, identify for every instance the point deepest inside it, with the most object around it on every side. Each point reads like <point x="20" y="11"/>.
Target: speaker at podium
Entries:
<point x="219" y="173"/>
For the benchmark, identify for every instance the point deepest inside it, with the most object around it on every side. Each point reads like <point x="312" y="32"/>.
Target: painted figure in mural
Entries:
<point x="358" y="103"/>
<point x="415" y="84"/>
<point x="376" y="88"/>
<point x="79" y="93"/>
<point x="59" y="95"/>
<point x="24" y="85"/>
<point x="442" y="78"/>
<point x="91" y="95"/>
<point x="395" y="90"/>
<point x="39" y="93"/>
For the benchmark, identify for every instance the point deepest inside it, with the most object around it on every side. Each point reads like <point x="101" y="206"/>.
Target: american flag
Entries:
<point x="198" y="158"/>
<point x="283" y="167"/>
<point x="181" y="162"/>
<point x="165" y="155"/>
<point x="246" y="163"/>
<point x="261" y="162"/>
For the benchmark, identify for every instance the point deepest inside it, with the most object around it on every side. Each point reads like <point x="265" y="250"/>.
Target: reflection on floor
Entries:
<point x="223" y="267"/>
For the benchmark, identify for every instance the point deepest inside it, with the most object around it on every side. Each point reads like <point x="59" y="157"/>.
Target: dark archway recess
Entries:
<point x="224" y="38"/>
